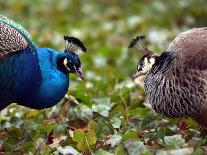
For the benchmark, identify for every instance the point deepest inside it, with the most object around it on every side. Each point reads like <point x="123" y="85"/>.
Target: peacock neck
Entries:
<point x="54" y="83"/>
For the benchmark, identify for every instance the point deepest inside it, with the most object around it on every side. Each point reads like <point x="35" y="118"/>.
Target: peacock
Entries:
<point x="34" y="77"/>
<point x="176" y="81"/>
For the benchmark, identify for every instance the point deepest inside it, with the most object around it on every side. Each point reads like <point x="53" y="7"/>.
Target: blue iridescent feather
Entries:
<point x="31" y="76"/>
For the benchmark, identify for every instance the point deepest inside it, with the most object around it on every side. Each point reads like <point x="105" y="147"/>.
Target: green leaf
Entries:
<point x="116" y="121"/>
<point x="104" y="128"/>
<point x="182" y="151"/>
<point x="174" y="141"/>
<point x="67" y="150"/>
<point x="14" y="132"/>
<point x="91" y="137"/>
<point x="150" y="121"/>
<point x="197" y="151"/>
<point x="114" y="140"/>
<point x="10" y="145"/>
<point x="32" y="113"/>
<point x="138" y="111"/>
<point x="192" y="123"/>
<point x="124" y="87"/>
<point x="61" y="127"/>
<point x="48" y="128"/>
<point x="92" y="124"/>
<point x="11" y="141"/>
<point x="102" y="152"/>
<point x="84" y="139"/>
<point x="120" y="150"/>
<point x="84" y="98"/>
<point x="130" y="134"/>
<point x="134" y="147"/>
<point x="28" y="145"/>
<point x="83" y="111"/>
<point x="102" y="106"/>
<point x="78" y="136"/>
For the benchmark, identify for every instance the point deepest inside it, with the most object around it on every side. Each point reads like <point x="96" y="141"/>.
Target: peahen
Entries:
<point x="30" y="76"/>
<point x="176" y="81"/>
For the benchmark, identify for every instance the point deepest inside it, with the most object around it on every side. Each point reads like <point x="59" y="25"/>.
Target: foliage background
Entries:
<point x="107" y="113"/>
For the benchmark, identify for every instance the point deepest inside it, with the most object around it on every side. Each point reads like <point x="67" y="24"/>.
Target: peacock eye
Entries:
<point x="68" y="62"/>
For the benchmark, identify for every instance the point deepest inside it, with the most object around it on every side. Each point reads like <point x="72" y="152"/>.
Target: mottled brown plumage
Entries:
<point x="191" y="55"/>
<point x="191" y="48"/>
<point x="176" y="82"/>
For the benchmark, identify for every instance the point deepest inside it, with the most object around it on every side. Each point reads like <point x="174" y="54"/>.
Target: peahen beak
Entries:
<point x="136" y="75"/>
<point x="79" y="73"/>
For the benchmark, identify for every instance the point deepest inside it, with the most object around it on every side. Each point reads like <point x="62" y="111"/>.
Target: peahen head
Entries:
<point x="145" y="64"/>
<point x="69" y="62"/>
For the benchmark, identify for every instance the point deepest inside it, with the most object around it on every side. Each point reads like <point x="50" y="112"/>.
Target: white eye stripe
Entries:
<point x="145" y="62"/>
<point x="65" y="61"/>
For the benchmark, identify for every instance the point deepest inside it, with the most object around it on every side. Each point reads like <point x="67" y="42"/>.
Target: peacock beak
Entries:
<point x="79" y="73"/>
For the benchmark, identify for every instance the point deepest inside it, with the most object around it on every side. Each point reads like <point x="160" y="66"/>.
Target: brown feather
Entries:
<point x="181" y="90"/>
<point x="191" y="48"/>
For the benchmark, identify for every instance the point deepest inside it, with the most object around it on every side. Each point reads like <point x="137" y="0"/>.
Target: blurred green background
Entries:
<point x="108" y="102"/>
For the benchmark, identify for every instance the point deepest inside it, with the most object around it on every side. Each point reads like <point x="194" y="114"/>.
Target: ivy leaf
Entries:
<point x="174" y="141"/>
<point x="84" y="139"/>
<point x="130" y="134"/>
<point x="48" y="128"/>
<point x="61" y="127"/>
<point x="134" y="147"/>
<point x="114" y="140"/>
<point x="91" y="137"/>
<point x="102" y="106"/>
<point x="182" y="151"/>
<point x="83" y="111"/>
<point x="78" y="135"/>
<point x="14" y="132"/>
<point x="67" y="150"/>
<point x="138" y="111"/>
<point x="11" y="142"/>
<point x="32" y="113"/>
<point x="116" y="121"/>
<point x="104" y="128"/>
<point x="150" y="121"/>
<point x="120" y="150"/>
<point x="102" y="152"/>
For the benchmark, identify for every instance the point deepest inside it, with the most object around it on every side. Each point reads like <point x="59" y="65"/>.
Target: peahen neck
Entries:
<point x="166" y="90"/>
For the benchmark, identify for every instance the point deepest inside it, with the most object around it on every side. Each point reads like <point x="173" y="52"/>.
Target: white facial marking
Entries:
<point x="147" y="65"/>
<point x="65" y="61"/>
<point x="152" y="60"/>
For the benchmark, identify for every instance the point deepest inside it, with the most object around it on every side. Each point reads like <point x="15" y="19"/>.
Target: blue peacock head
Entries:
<point x="70" y="62"/>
